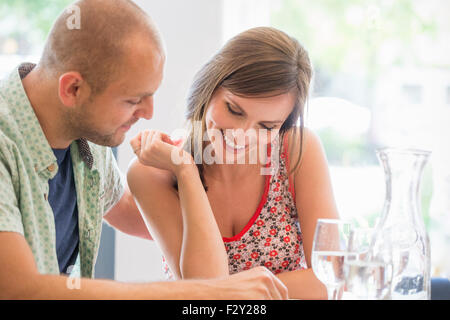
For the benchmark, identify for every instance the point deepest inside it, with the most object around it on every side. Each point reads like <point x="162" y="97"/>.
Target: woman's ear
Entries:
<point x="69" y="88"/>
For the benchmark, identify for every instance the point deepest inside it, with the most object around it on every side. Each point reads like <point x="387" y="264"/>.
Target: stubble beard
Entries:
<point x="80" y="125"/>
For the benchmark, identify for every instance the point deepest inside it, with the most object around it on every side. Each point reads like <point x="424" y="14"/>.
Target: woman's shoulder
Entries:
<point x="141" y="176"/>
<point x="307" y="143"/>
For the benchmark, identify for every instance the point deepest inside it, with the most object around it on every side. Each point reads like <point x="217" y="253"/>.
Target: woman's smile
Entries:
<point x="230" y="144"/>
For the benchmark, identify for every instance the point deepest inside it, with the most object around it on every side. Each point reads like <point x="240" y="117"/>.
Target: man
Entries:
<point x="57" y="175"/>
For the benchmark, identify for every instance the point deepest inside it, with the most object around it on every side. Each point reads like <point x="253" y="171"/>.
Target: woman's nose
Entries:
<point x="247" y="132"/>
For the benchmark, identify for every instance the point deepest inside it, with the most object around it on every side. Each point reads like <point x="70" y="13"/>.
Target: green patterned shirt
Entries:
<point x="27" y="163"/>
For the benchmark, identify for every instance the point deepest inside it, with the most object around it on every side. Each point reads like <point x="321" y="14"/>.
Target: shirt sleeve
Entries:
<point x="114" y="182"/>
<point x="10" y="215"/>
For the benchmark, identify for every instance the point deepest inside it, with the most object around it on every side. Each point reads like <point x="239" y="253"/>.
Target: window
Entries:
<point x="448" y="95"/>
<point x="24" y="26"/>
<point x="412" y="93"/>
<point x="365" y="54"/>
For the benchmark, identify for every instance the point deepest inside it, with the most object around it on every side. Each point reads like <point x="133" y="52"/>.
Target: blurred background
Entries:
<point x="382" y="78"/>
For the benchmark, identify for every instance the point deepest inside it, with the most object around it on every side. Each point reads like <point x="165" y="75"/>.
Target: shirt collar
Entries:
<point x="24" y="113"/>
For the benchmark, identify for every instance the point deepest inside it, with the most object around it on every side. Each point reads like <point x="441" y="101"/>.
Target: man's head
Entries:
<point x="106" y="70"/>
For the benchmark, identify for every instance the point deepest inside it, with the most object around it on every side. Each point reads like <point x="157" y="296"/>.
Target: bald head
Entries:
<point x="99" y="48"/>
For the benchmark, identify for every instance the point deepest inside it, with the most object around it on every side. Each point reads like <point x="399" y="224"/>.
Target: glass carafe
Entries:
<point x="402" y="219"/>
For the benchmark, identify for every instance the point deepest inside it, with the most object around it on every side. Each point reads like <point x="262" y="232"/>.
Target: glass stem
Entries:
<point x="334" y="292"/>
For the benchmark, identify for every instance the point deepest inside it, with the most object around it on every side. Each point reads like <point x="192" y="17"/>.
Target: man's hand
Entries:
<point x="20" y="279"/>
<point x="254" y="284"/>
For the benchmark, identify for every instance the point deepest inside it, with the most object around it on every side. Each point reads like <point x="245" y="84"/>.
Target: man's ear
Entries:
<point x="69" y="88"/>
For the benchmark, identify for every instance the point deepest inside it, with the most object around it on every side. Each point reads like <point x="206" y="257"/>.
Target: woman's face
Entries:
<point x="237" y="125"/>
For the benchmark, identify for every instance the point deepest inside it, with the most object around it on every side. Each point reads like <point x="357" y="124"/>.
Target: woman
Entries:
<point x="212" y="208"/>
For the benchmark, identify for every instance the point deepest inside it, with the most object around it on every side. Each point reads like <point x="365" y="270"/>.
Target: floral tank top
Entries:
<point x="272" y="237"/>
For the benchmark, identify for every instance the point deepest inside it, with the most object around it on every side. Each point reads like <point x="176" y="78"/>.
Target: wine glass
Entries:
<point x="328" y="252"/>
<point x="368" y="264"/>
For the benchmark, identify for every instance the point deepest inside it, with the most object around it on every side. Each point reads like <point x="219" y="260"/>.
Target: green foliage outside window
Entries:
<point x="355" y="42"/>
<point x="26" y="23"/>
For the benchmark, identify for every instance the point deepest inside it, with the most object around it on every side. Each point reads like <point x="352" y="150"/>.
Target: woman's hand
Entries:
<point x="156" y="149"/>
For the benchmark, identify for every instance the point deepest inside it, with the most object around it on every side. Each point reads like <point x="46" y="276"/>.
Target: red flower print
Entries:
<point x="283" y="155"/>
<point x="272" y="239"/>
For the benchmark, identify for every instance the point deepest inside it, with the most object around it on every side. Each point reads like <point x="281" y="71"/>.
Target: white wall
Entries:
<point x="192" y="31"/>
<point x="240" y="15"/>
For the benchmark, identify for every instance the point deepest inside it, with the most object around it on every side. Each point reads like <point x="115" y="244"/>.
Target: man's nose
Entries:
<point x="145" y="109"/>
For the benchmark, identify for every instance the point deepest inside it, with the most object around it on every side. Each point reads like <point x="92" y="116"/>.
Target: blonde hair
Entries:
<point x="259" y="62"/>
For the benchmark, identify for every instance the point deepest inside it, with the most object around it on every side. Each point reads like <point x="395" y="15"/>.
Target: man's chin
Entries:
<point x="112" y="141"/>
<point x="116" y="142"/>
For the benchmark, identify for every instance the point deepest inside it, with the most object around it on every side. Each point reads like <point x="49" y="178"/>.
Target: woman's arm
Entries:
<point x="182" y="223"/>
<point x="314" y="199"/>
<point x="303" y="285"/>
<point x="203" y="252"/>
